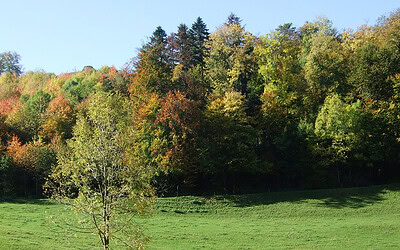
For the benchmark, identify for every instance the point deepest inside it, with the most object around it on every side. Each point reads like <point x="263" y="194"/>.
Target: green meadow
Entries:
<point x="354" y="218"/>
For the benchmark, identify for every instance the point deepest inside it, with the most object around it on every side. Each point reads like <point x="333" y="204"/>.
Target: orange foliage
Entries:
<point x="17" y="152"/>
<point x="179" y="113"/>
<point x="180" y="119"/>
<point x="6" y="105"/>
<point x="59" y="118"/>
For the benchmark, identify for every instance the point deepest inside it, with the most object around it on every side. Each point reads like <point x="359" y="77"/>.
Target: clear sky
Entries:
<point x="61" y="36"/>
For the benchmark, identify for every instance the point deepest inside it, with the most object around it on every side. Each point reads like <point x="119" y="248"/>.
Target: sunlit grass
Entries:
<point x="358" y="218"/>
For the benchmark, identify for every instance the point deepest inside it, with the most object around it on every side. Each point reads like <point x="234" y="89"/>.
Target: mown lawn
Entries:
<point x="357" y="218"/>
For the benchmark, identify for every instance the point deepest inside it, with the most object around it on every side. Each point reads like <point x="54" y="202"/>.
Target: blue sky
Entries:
<point x="61" y="36"/>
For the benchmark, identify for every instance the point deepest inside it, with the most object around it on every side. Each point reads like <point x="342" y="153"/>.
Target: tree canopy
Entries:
<point x="197" y="112"/>
<point x="9" y="62"/>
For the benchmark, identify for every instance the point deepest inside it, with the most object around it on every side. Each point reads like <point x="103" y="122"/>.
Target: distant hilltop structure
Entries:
<point x="87" y="68"/>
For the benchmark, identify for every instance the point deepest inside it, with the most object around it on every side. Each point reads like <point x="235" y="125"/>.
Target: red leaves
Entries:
<point x="64" y="75"/>
<point x="35" y="157"/>
<point x="168" y="127"/>
<point x="178" y="113"/>
<point x="110" y="76"/>
<point x="17" y="152"/>
<point x="180" y="119"/>
<point x="6" y="105"/>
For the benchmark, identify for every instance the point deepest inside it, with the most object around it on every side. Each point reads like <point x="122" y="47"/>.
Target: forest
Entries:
<point x="305" y="107"/>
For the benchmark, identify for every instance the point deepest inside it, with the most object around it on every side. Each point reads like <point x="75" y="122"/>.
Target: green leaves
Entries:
<point x="81" y="85"/>
<point x="27" y="118"/>
<point x="337" y="119"/>
<point x="229" y="63"/>
<point x="229" y="140"/>
<point x="9" y="62"/>
<point x="96" y="168"/>
<point x="326" y="64"/>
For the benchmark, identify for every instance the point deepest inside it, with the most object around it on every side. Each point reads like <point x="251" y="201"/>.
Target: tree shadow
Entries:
<point x="30" y="201"/>
<point x="333" y="198"/>
<point x="353" y="199"/>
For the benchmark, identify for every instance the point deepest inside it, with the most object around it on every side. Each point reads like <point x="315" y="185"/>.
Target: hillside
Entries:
<point x="356" y="218"/>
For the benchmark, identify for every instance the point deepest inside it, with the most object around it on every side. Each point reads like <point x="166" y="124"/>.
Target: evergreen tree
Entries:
<point x="183" y="47"/>
<point x="198" y="35"/>
<point x="233" y="19"/>
<point x="159" y="37"/>
<point x="153" y="66"/>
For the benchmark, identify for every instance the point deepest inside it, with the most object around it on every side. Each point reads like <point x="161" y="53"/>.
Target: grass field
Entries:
<point x="357" y="218"/>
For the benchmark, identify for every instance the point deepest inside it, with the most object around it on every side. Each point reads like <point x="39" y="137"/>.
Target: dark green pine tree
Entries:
<point x="159" y="37"/>
<point x="288" y="32"/>
<point x="153" y="66"/>
<point x="233" y="19"/>
<point x="183" y="47"/>
<point x="199" y="35"/>
<point x="157" y="46"/>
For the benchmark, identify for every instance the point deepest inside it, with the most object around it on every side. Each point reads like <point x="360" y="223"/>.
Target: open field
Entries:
<point x="357" y="218"/>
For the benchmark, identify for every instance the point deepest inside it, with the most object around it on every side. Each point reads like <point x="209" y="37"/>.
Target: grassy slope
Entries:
<point x="25" y="224"/>
<point x="344" y="218"/>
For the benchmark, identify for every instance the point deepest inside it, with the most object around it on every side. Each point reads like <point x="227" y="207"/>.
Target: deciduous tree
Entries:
<point x="59" y="119"/>
<point x="230" y="63"/>
<point x="9" y="62"/>
<point x="109" y="187"/>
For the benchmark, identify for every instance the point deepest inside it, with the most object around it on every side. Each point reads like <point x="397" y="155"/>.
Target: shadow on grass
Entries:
<point x="31" y="201"/>
<point x="334" y="198"/>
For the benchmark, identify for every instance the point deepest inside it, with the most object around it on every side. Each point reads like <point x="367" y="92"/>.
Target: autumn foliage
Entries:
<point x="230" y="111"/>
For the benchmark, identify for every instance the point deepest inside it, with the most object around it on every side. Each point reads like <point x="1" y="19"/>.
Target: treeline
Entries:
<point x="307" y="107"/>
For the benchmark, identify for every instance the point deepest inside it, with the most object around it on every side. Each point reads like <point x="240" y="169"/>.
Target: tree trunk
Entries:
<point x="36" y="187"/>
<point x="106" y="241"/>
<point x="338" y="176"/>
<point x="106" y="219"/>
<point x="233" y="183"/>
<point x="25" y="191"/>
<point x="224" y="180"/>
<point x="351" y="182"/>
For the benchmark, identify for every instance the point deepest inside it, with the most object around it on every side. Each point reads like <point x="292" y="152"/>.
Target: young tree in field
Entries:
<point x="108" y="187"/>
